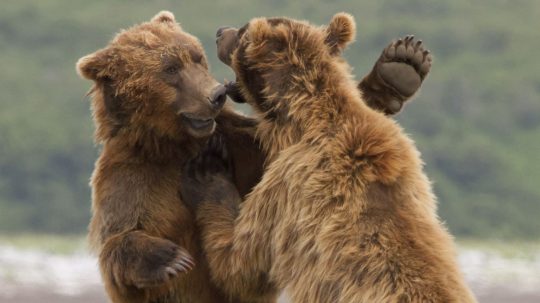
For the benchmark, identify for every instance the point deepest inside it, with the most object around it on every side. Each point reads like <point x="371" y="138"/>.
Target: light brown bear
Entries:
<point x="344" y="211"/>
<point x="394" y="79"/>
<point x="154" y="105"/>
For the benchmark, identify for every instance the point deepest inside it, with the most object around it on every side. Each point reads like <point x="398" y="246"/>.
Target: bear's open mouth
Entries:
<point x="197" y="122"/>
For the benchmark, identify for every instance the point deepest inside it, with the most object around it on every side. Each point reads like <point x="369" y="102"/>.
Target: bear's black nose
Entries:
<point x="220" y="30"/>
<point x="219" y="96"/>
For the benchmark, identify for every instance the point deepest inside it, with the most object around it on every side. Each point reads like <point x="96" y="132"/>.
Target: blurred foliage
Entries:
<point x="476" y="121"/>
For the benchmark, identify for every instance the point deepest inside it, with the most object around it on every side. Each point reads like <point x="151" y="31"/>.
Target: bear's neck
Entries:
<point x="146" y="146"/>
<point x="308" y="116"/>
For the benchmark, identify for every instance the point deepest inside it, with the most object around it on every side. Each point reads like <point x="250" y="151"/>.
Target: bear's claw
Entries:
<point x="181" y="263"/>
<point x="404" y="64"/>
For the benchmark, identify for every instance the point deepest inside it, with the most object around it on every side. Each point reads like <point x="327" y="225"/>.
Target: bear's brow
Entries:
<point x="185" y="50"/>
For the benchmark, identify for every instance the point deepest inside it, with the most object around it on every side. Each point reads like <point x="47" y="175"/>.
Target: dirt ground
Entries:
<point x="495" y="295"/>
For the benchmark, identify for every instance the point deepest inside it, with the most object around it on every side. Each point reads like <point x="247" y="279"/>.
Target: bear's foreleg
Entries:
<point x="134" y="261"/>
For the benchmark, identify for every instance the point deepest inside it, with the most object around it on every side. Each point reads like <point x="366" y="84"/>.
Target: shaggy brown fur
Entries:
<point x="395" y="78"/>
<point x="344" y="212"/>
<point x="151" y="113"/>
<point x="154" y="103"/>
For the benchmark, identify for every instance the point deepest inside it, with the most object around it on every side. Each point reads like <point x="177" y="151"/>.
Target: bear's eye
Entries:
<point x="197" y="58"/>
<point x="171" y="70"/>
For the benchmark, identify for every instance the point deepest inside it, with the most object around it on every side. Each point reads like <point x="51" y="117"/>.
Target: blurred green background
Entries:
<point x="476" y="121"/>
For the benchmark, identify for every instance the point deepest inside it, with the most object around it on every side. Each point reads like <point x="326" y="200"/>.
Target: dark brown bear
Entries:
<point x="344" y="212"/>
<point x="154" y="105"/>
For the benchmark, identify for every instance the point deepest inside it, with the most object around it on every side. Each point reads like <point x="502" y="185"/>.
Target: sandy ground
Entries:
<point x="33" y="276"/>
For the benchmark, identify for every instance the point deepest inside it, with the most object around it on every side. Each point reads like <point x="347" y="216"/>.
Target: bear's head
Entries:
<point x="280" y="59"/>
<point x="153" y="78"/>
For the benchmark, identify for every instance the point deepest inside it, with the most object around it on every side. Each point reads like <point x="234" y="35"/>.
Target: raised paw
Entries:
<point x="404" y="64"/>
<point x="159" y="265"/>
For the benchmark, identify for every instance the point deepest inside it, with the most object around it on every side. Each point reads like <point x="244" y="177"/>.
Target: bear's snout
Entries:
<point x="226" y="41"/>
<point x="220" y="31"/>
<point x="219" y="96"/>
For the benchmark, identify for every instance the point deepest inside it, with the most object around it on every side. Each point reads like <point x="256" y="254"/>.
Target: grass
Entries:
<point x="56" y="244"/>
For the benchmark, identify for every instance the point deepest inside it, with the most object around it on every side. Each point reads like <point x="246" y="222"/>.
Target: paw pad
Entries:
<point x="411" y="52"/>
<point x="403" y="65"/>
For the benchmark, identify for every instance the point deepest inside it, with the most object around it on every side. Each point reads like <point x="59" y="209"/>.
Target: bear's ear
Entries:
<point x="94" y="66"/>
<point x="164" y="17"/>
<point x="340" y="32"/>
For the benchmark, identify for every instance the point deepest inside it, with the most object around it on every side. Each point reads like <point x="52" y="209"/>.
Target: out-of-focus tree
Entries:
<point x="477" y="120"/>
